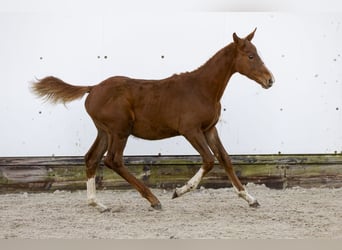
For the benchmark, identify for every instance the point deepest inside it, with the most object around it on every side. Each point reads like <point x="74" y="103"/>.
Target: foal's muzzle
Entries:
<point x="269" y="82"/>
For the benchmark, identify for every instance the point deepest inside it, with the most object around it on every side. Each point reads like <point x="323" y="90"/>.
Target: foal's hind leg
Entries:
<point x="114" y="160"/>
<point x="92" y="159"/>
<point x="198" y="141"/>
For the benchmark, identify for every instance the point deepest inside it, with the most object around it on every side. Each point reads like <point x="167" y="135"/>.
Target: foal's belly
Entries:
<point x="153" y="132"/>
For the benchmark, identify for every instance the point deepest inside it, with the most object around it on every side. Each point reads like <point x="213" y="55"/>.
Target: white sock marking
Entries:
<point x="191" y="184"/>
<point x="91" y="191"/>
<point x="91" y="195"/>
<point x="245" y="195"/>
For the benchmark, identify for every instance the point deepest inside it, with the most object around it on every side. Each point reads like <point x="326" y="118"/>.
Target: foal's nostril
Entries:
<point x="270" y="82"/>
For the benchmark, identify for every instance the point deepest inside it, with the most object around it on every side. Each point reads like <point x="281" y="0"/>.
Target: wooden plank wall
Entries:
<point x="68" y="173"/>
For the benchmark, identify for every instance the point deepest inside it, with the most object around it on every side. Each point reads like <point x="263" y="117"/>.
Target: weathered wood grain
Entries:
<point x="275" y="171"/>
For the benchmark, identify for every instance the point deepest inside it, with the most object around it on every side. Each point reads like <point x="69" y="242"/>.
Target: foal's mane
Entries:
<point x="225" y="52"/>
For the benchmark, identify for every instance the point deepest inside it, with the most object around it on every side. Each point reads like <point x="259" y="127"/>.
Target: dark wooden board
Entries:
<point x="68" y="173"/>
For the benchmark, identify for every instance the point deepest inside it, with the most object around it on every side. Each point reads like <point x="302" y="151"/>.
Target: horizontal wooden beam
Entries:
<point x="275" y="171"/>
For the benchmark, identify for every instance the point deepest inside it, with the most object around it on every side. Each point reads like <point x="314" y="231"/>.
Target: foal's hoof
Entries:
<point x="255" y="204"/>
<point x="175" y="195"/>
<point x="99" y="206"/>
<point x="157" y="206"/>
<point x="104" y="209"/>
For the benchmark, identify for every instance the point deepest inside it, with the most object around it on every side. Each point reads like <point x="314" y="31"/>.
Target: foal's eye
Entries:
<point x="251" y="57"/>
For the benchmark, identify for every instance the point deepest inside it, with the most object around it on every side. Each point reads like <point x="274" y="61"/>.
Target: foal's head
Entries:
<point x="248" y="62"/>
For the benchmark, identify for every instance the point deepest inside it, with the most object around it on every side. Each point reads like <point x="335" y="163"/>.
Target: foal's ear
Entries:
<point x="237" y="39"/>
<point x="251" y="35"/>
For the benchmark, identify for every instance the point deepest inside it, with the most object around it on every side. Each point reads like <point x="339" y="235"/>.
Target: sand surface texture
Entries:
<point x="202" y="214"/>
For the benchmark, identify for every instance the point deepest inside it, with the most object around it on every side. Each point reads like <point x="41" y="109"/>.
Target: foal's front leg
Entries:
<point x="190" y="185"/>
<point x="224" y="159"/>
<point x="198" y="141"/>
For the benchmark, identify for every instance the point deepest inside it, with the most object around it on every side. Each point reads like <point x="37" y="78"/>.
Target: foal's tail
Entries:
<point x="56" y="91"/>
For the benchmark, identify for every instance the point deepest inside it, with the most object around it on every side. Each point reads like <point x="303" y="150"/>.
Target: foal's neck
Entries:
<point x="216" y="72"/>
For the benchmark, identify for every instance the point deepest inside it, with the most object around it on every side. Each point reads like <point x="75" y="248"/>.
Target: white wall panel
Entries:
<point x="300" y="114"/>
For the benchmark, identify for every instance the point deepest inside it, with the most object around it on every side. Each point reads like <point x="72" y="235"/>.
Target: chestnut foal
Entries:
<point x="187" y="104"/>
